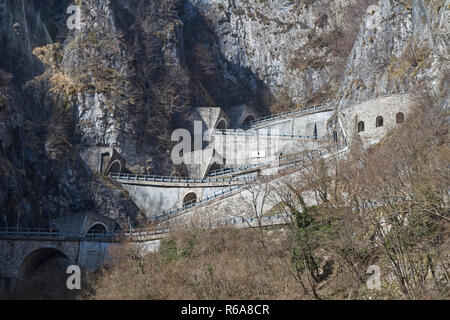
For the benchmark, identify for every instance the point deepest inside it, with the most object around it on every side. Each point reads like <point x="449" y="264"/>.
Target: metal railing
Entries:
<point x="155" y="231"/>
<point x="167" y="179"/>
<point x="145" y="232"/>
<point x="284" y="115"/>
<point x="164" y="215"/>
<point x="46" y="234"/>
<point x="225" y="171"/>
<point x="41" y="233"/>
<point x="251" y="133"/>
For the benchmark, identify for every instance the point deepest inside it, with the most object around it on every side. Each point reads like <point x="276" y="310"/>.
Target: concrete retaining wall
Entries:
<point x="303" y="125"/>
<point x="153" y="200"/>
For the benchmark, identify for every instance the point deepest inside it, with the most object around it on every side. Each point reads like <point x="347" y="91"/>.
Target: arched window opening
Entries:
<point x="379" y="121"/>
<point x="399" y="117"/>
<point x="361" y="126"/>
<point x="190" y="198"/>
<point x="97" y="228"/>
<point x="315" y="131"/>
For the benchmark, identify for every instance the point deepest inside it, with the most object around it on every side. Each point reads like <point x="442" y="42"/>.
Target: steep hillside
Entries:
<point x="136" y="70"/>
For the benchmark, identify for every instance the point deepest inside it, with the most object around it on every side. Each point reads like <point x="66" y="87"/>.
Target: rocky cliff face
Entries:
<point x="297" y="49"/>
<point x="41" y="174"/>
<point x="137" y="69"/>
<point x="402" y="47"/>
<point x="338" y="51"/>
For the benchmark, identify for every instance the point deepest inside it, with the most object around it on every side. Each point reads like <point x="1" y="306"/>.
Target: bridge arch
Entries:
<point x="37" y="258"/>
<point x="190" y="197"/>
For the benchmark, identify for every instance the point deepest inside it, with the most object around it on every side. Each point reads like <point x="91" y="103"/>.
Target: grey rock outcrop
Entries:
<point x="41" y="174"/>
<point x="401" y="46"/>
<point x="297" y="49"/>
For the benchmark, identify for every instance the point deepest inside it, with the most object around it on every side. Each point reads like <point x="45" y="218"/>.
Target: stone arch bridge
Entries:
<point x="23" y="251"/>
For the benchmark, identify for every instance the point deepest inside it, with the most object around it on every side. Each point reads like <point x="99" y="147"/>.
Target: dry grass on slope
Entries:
<point x="216" y="264"/>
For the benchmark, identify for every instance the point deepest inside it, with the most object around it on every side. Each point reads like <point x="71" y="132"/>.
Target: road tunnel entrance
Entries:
<point x="98" y="228"/>
<point x="190" y="198"/>
<point x="248" y="120"/>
